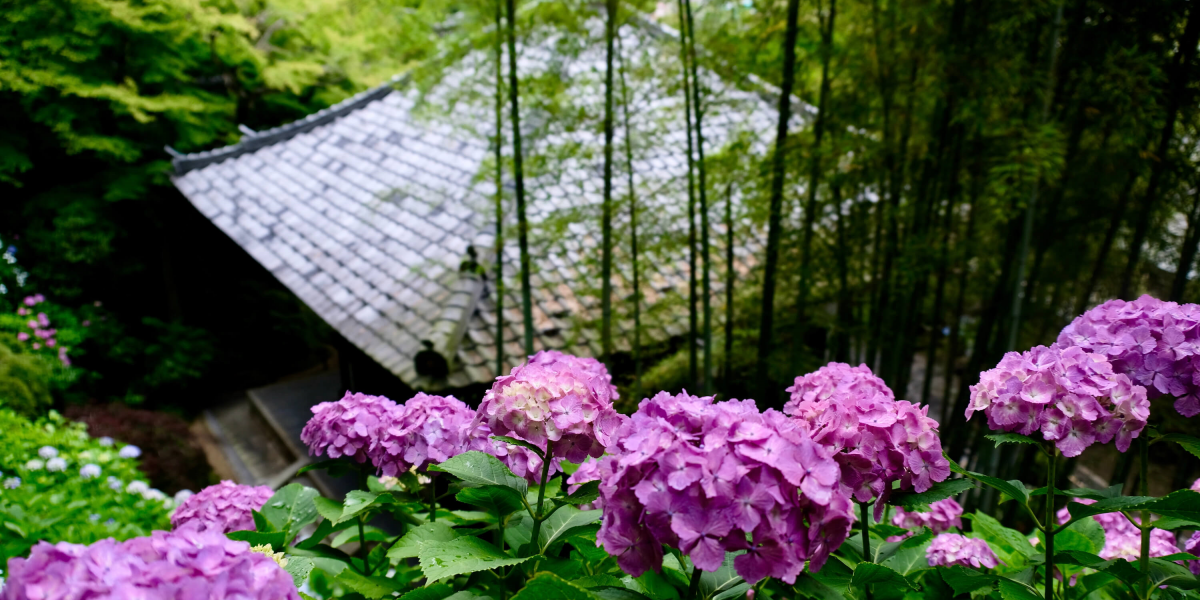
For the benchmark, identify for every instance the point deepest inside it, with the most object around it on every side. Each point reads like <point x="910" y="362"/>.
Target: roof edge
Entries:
<point x="182" y="163"/>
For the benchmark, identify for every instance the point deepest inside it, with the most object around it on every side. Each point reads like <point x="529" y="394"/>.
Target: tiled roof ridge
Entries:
<point x="183" y="163"/>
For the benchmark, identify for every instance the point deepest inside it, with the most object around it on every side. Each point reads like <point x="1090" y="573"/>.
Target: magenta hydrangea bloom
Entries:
<point x="706" y="477"/>
<point x="1155" y="343"/>
<point x="1073" y="397"/>
<point x="878" y="439"/>
<point x="426" y="429"/>
<point x="1196" y="486"/>
<point x="1121" y="538"/>
<point x="553" y="398"/>
<point x="1192" y="546"/>
<point x="225" y="507"/>
<point x="347" y="427"/>
<point x="950" y="549"/>
<point x="189" y="563"/>
<point x="942" y="516"/>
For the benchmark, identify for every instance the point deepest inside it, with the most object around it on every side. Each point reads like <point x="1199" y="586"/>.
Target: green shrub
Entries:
<point x="25" y="381"/>
<point x="51" y="499"/>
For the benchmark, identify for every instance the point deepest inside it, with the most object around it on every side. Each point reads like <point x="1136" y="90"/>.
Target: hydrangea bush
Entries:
<point x="56" y="483"/>
<point x="224" y="507"/>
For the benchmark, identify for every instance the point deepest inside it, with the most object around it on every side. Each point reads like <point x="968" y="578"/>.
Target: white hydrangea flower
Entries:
<point x="105" y="441"/>
<point x="182" y="495"/>
<point x="89" y="471"/>
<point x="130" y="452"/>
<point x="12" y="483"/>
<point x="138" y="487"/>
<point x="114" y="483"/>
<point x="35" y="465"/>
<point x="56" y="464"/>
<point x="47" y="452"/>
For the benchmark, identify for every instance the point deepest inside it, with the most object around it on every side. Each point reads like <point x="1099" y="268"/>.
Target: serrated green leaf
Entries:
<point x="372" y="534"/>
<point x="299" y="568"/>
<point x="653" y="585"/>
<point x="495" y="499"/>
<point x="810" y="587"/>
<point x="564" y="520"/>
<point x="331" y="510"/>
<point x="1080" y="510"/>
<point x="583" y="540"/>
<point x="437" y="591"/>
<point x="1015" y="590"/>
<point x="1171" y="523"/>
<point x="867" y="574"/>
<point x="588" y="492"/>
<point x="462" y="555"/>
<point x="482" y="469"/>
<point x="1011" y="438"/>
<point x="291" y="509"/>
<point x="1012" y="488"/>
<point x="964" y="581"/>
<point x="1179" y="556"/>
<point x="886" y="550"/>
<point x="410" y="545"/>
<point x="371" y="587"/>
<point x="909" y="559"/>
<point x="467" y="595"/>
<point x="722" y="580"/>
<point x="1010" y="545"/>
<point x="324" y="530"/>
<point x="1164" y="572"/>
<point x="617" y="592"/>
<point x="1182" y="504"/>
<point x="518" y="530"/>
<point x="835" y="574"/>
<point x="1188" y="442"/>
<point x="939" y="491"/>
<point x="522" y="443"/>
<point x="274" y="539"/>
<point x="592" y="581"/>
<point x="1091" y="494"/>
<point x="548" y="586"/>
<point x="360" y="501"/>
<point x="1084" y="536"/>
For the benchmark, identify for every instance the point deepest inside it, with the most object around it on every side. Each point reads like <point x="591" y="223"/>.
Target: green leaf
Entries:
<point x="462" y="555"/>
<point x="410" y="545"/>
<point x="724" y="579"/>
<point x="1012" y="488"/>
<point x="1011" y="438"/>
<point x="371" y="587"/>
<point x="372" y="534"/>
<point x="866" y="574"/>
<point x="1085" y="536"/>
<point x="1182" y="504"/>
<point x="548" y="586"/>
<point x="324" y="530"/>
<point x="809" y="586"/>
<point x="1076" y="557"/>
<point x="564" y="520"/>
<point x="1179" y="556"/>
<point x="653" y="585"/>
<point x="482" y="469"/>
<point x="1189" y="443"/>
<point x="940" y="491"/>
<point x="299" y="568"/>
<point x="964" y="580"/>
<point x="835" y="574"/>
<point x="1171" y="523"/>
<point x="1015" y="590"/>
<point x="496" y="499"/>
<point x="291" y="509"/>
<point x="1079" y="510"/>
<point x="518" y="529"/>
<point x="336" y="467"/>
<point x="887" y="550"/>
<point x="909" y="559"/>
<point x="1104" y="494"/>
<point x="274" y="539"/>
<point x="588" y="492"/>
<point x="1164" y="572"/>
<point x="1121" y="569"/>
<point x="467" y="595"/>
<point x="437" y="591"/>
<point x="583" y="540"/>
<point x="331" y="510"/>
<point x="1010" y="545"/>
<point x="522" y="443"/>
<point x="360" y="501"/>
<point x="592" y="581"/>
<point x="609" y="592"/>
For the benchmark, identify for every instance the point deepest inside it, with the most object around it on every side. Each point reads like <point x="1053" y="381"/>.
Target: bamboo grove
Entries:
<point x="946" y="181"/>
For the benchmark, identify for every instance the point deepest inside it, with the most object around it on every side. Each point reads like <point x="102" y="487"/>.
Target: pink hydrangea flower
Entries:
<point x="426" y="429"/>
<point x="1192" y="546"/>
<point x="1070" y="396"/>
<point x="22" y="336"/>
<point x="706" y="477"/>
<point x="554" y="398"/>
<point x="1121" y="538"/>
<point x="942" y="516"/>
<point x="878" y="439"/>
<point x="1196" y="486"/>
<point x="188" y="563"/>
<point x="347" y="427"/>
<point x="1155" y="343"/>
<point x="225" y="507"/>
<point x="950" y="549"/>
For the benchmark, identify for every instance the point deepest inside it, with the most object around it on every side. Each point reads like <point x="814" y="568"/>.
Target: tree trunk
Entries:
<point x="1187" y="254"/>
<point x="814" y="180"/>
<point x="606" y="250"/>
<point x="841" y="351"/>
<point x="705" y="291"/>
<point x="693" y="322"/>
<point x="767" y="393"/>
<point x="1110" y="235"/>
<point x="1176" y="90"/>
<point x="519" y="179"/>
<point x="498" y="145"/>
<point x="730" y="278"/>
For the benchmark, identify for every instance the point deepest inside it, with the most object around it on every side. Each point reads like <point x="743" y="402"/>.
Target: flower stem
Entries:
<point x="694" y="586"/>
<point x="1050" y="520"/>
<point x="1144" y="490"/>
<point x="432" y="500"/>
<point x="866" y="535"/>
<point x="362" y="547"/>
<point x="537" y="516"/>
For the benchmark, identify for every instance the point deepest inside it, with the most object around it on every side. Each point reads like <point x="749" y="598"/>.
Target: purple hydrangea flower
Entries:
<point x="1122" y="539"/>
<point x="1155" y="343"/>
<point x="878" y="439"/>
<point x="426" y="429"/>
<point x="1192" y="546"/>
<point x="1072" y="397"/>
<point x="554" y="398"/>
<point x="1196" y="486"/>
<point x="709" y="478"/>
<point x="187" y="563"/>
<point x="942" y="516"/>
<point x="347" y="427"/>
<point x="950" y="549"/>
<point x="226" y="507"/>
